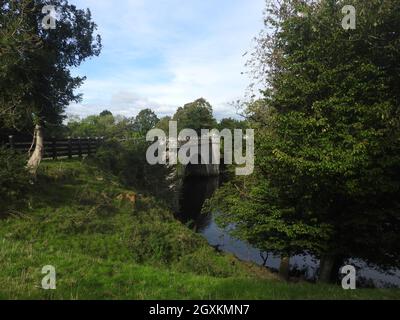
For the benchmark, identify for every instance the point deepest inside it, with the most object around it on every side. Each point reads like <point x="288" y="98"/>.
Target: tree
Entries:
<point x="105" y="113"/>
<point x="328" y="147"/>
<point x="163" y="124"/>
<point x="145" y="121"/>
<point x="232" y="124"/>
<point x="196" y="115"/>
<point x="16" y="42"/>
<point x="35" y="62"/>
<point x="14" y="179"/>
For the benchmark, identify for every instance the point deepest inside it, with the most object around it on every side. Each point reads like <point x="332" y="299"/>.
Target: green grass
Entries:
<point x="86" y="277"/>
<point x="103" y="248"/>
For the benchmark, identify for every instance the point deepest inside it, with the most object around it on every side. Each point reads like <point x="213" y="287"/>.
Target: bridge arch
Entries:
<point x="199" y="166"/>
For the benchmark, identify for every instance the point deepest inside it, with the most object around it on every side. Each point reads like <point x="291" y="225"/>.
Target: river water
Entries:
<point x="196" y="190"/>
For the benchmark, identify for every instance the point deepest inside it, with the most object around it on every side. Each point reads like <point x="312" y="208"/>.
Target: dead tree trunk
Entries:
<point x="37" y="155"/>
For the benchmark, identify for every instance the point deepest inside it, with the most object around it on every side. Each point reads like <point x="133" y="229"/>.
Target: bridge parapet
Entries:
<point x="201" y="164"/>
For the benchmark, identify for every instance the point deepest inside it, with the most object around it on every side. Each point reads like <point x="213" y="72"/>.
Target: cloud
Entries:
<point x="162" y="54"/>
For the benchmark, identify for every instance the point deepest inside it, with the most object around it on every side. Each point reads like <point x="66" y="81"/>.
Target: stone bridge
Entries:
<point x="202" y="154"/>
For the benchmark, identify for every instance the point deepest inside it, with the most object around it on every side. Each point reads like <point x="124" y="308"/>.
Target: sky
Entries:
<point x="161" y="54"/>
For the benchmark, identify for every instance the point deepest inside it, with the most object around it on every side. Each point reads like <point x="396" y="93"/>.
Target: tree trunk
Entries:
<point x="329" y="268"/>
<point x="284" y="268"/>
<point x="37" y="155"/>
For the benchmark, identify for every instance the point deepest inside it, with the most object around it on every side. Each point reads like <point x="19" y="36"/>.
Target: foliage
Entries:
<point x="163" y="124"/>
<point x="113" y="127"/>
<point x="196" y="115"/>
<point x="232" y="124"/>
<point x="14" y="46"/>
<point x="105" y="125"/>
<point x="145" y="121"/>
<point x="327" y="144"/>
<point x="105" y="113"/>
<point x="127" y="160"/>
<point x="123" y="152"/>
<point x="35" y="77"/>
<point x="103" y="249"/>
<point x="14" y="178"/>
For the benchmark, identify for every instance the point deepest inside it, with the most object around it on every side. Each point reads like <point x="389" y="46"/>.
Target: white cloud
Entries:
<point x="162" y="54"/>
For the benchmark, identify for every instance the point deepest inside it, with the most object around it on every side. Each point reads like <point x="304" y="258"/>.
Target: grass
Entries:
<point x="105" y="248"/>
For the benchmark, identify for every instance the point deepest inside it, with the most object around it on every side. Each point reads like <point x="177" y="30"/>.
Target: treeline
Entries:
<point x="195" y="115"/>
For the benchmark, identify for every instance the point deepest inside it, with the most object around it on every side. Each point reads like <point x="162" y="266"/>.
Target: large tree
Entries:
<point x="196" y="115"/>
<point x="36" y="61"/>
<point x="16" y="42"/>
<point x="145" y="121"/>
<point x="328" y="144"/>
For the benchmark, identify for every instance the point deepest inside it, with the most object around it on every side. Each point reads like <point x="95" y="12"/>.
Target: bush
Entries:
<point x="161" y="243"/>
<point x="109" y="156"/>
<point x="14" y="177"/>
<point x="127" y="160"/>
<point x="205" y="261"/>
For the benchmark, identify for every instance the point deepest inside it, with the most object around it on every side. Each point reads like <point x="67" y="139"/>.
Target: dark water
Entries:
<point x="192" y="197"/>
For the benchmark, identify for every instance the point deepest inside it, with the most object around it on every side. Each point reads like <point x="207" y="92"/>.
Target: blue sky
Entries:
<point x="162" y="54"/>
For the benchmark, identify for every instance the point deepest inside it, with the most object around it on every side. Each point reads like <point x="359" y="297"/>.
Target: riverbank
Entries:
<point x="107" y="242"/>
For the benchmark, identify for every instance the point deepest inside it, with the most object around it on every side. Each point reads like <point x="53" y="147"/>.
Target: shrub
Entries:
<point x="127" y="160"/>
<point x="205" y="261"/>
<point x="14" y="177"/>
<point x="158" y="241"/>
<point x="108" y="156"/>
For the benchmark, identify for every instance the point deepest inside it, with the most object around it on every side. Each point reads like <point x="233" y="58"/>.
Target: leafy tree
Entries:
<point x="145" y="121"/>
<point x="328" y="138"/>
<point x="16" y="42"/>
<point x="163" y="124"/>
<point x="14" y="179"/>
<point x="196" y="115"/>
<point x="36" y="63"/>
<point x="105" y="113"/>
<point x="232" y="124"/>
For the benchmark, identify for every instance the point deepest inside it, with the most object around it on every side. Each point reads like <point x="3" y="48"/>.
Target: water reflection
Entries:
<point x="192" y="197"/>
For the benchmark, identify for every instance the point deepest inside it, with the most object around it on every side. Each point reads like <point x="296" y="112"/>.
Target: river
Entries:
<point x="193" y="194"/>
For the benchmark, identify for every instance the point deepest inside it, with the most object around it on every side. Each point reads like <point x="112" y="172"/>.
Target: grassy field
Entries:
<point x="107" y="242"/>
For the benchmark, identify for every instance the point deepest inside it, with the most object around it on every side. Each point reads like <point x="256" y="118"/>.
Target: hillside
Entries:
<point x="107" y="242"/>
